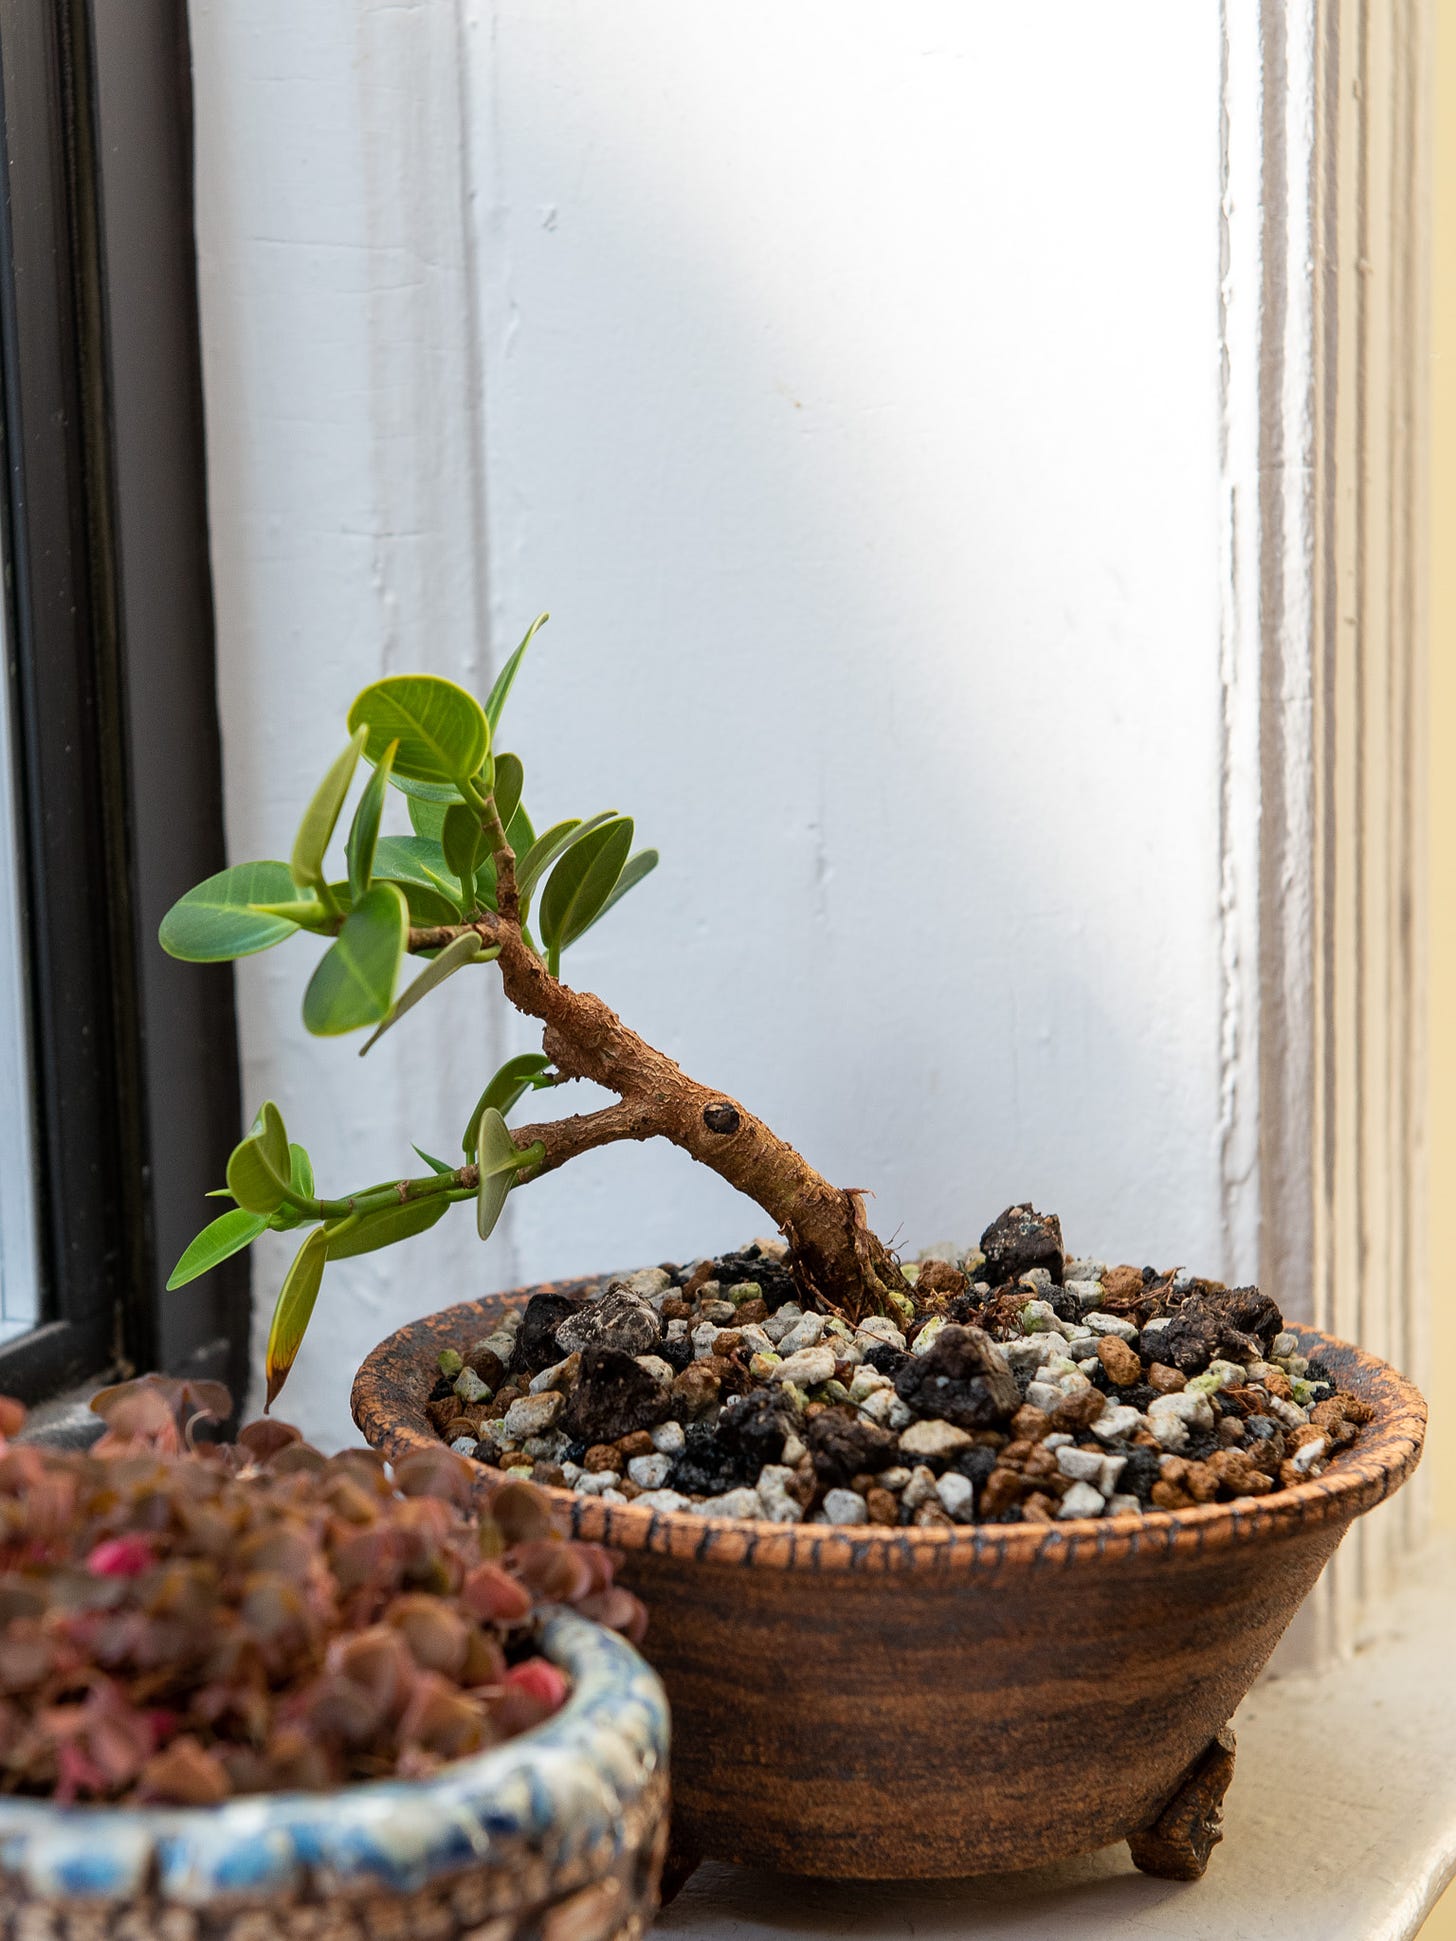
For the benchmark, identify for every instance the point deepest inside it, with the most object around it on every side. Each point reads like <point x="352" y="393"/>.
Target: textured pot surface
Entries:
<point x="558" y="1835"/>
<point x="900" y="1703"/>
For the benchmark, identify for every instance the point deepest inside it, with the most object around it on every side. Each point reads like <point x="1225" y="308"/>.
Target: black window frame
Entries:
<point x="110" y="656"/>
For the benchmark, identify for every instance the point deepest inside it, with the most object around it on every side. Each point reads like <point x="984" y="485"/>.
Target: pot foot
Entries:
<point x="1176" y="1845"/>
<point x="678" y="1868"/>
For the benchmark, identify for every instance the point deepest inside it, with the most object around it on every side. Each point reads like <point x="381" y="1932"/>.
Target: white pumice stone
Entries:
<point x="1117" y="1420"/>
<point x="1110" y="1324"/>
<point x="464" y="1445"/>
<point x="920" y="1488"/>
<point x="803" y="1334"/>
<point x="1059" y="1439"/>
<point x="1082" y="1499"/>
<point x="775" y="1495"/>
<point x="733" y="1502"/>
<point x="572" y="1472"/>
<point x="1284" y="1344"/>
<point x="928" y="1335"/>
<point x="1040" y="1317"/>
<point x="1084" y="1290"/>
<point x="612" y="1495"/>
<point x="1187" y="1405"/>
<point x="663" y="1499"/>
<point x="894" y="1478"/>
<point x="1082" y="1465"/>
<point x="662" y="1372"/>
<point x="898" y="1416"/>
<point x="649" y="1472"/>
<point x="670" y="1438"/>
<point x="865" y="1382"/>
<point x="1308" y="1454"/>
<point x="550" y="1447"/>
<point x="677" y="1329"/>
<point x="648" y="1283"/>
<point x="933" y="1441"/>
<point x="1043" y="1395"/>
<point x="843" y="1506"/>
<point x="470" y="1388"/>
<point x="704" y="1335"/>
<point x="552" y="1377"/>
<point x="592" y="1482"/>
<point x="779" y="1324"/>
<point x="794" y="1449"/>
<point x="879" y="1327"/>
<point x="957" y="1495"/>
<point x="1112" y="1468"/>
<point x="808" y="1366"/>
<point x="1124" y="1505"/>
<point x="532" y="1415"/>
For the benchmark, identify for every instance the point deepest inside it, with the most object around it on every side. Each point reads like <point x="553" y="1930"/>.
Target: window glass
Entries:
<point x="19" y="1299"/>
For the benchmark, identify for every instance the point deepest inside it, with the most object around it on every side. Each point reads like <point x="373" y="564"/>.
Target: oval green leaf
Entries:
<point x="301" y="1177"/>
<point x="259" y="1171"/>
<point x="462" y="840"/>
<point x="293" y="1311"/>
<point x="506" y="679"/>
<point x="321" y="815"/>
<point x="455" y="956"/>
<point x="582" y="881"/>
<point x="364" y="830"/>
<point x="499" y="1159"/>
<point x="216" y="921"/>
<point x="514" y="1077"/>
<point x="636" y="867"/>
<point x="442" y="731"/>
<point x="554" y="842"/>
<point x="354" y="982"/>
<point x="219" y="1240"/>
<point x="417" y="860"/>
<point x="510" y="779"/>
<point x="384" y="1226"/>
<point x="428" y="818"/>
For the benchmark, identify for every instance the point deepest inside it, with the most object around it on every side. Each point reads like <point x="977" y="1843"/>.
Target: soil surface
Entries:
<point x="1026" y="1387"/>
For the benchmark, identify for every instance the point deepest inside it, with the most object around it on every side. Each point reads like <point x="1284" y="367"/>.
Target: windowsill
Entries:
<point x="1340" y="1825"/>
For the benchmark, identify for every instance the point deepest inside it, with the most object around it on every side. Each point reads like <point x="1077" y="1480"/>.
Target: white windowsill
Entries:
<point x="1340" y="1825"/>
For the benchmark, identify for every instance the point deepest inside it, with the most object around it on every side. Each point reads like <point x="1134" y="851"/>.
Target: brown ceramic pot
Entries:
<point x="899" y="1703"/>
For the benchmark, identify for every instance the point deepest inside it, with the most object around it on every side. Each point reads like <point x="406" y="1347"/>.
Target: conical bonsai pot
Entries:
<point x="904" y="1703"/>
<point x="557" y="1835"/>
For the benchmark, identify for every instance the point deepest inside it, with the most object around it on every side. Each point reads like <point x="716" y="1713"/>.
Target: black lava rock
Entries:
<point x="1020" y="1240"/>
<point x="1139" y="1473"/>
<point x="775" y="1277"/>
<point x="444" y="1386"/>
<point x="677" y="1353"/>
<point x="1210" y="1324"/>
<point x="536" y="1343"/>
<point x="885" y="1358"/>
<point x="612" y="1397"/>
<point x="960" y="1379"/>
<point x="754" y="1428"/>
<point x="706" y="1466"/>
<point x="844" y="1445"/>
<point x="977" y="1462"/>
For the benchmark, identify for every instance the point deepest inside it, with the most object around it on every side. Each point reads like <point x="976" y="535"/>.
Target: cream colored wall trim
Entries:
<point x="1326" y="244"/>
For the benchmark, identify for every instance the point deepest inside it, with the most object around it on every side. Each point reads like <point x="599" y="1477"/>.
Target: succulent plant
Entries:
<point x="476" y="886"/>
<point x="182" y="1620"/>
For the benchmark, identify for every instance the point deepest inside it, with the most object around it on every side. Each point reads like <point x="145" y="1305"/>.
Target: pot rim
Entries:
<point x="390" y="1391"/>
<point x="556" y="1794"/>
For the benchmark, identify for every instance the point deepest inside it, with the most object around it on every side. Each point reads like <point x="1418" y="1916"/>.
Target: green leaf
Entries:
<point x="510" y="779"/>
<point x="300" y="1168"/>
<point x="638" y="866"/>
<point x="364" y="831"/>
<point x="219" y="1240"/>
<point x="442" y="731"/>
<point x="293" y="1311"/>
<point x="317" y="827"/>
<point x="354" y="982"/>
<point x="381" y="1228"/>
<point x="428" y="818"/>
<point x="506" y="679"/>
<point x="499" y="1159"/>
<point x="216" y="921"/>
<point x="455" y="956"/>
<point x="581" y="882"/>
<point x="434" y="794"/>
<point x="259" y="1172"/>
<point x="462" y="840"/>
<point x="415" y="859"/>
<point x="435" y="1165"/>
<point x="302" y="912"/>
<point x="516" y="1076"/>
<point x="545" y="850"/>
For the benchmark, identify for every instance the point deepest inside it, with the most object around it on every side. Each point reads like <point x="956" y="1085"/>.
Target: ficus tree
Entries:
<point x="475" y="889"/>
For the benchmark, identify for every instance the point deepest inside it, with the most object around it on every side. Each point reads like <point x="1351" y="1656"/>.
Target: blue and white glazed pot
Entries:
<point x="558" y="1834"/>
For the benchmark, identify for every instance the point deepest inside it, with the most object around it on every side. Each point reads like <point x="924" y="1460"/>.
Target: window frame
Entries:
<point x="109" y="648"/>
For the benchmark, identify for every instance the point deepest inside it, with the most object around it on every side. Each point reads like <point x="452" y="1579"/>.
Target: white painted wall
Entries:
<point x="845" y="379"/>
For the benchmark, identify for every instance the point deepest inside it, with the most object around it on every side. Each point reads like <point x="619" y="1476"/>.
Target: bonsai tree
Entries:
<point x="476" y="888"/>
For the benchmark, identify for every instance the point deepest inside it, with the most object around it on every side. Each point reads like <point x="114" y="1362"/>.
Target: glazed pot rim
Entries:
<point x="556" y="1792"/>
<point x="390" y="1391"/>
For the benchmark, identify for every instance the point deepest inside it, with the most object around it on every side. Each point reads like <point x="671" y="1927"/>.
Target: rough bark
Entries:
<point x="841" y="1262"/>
